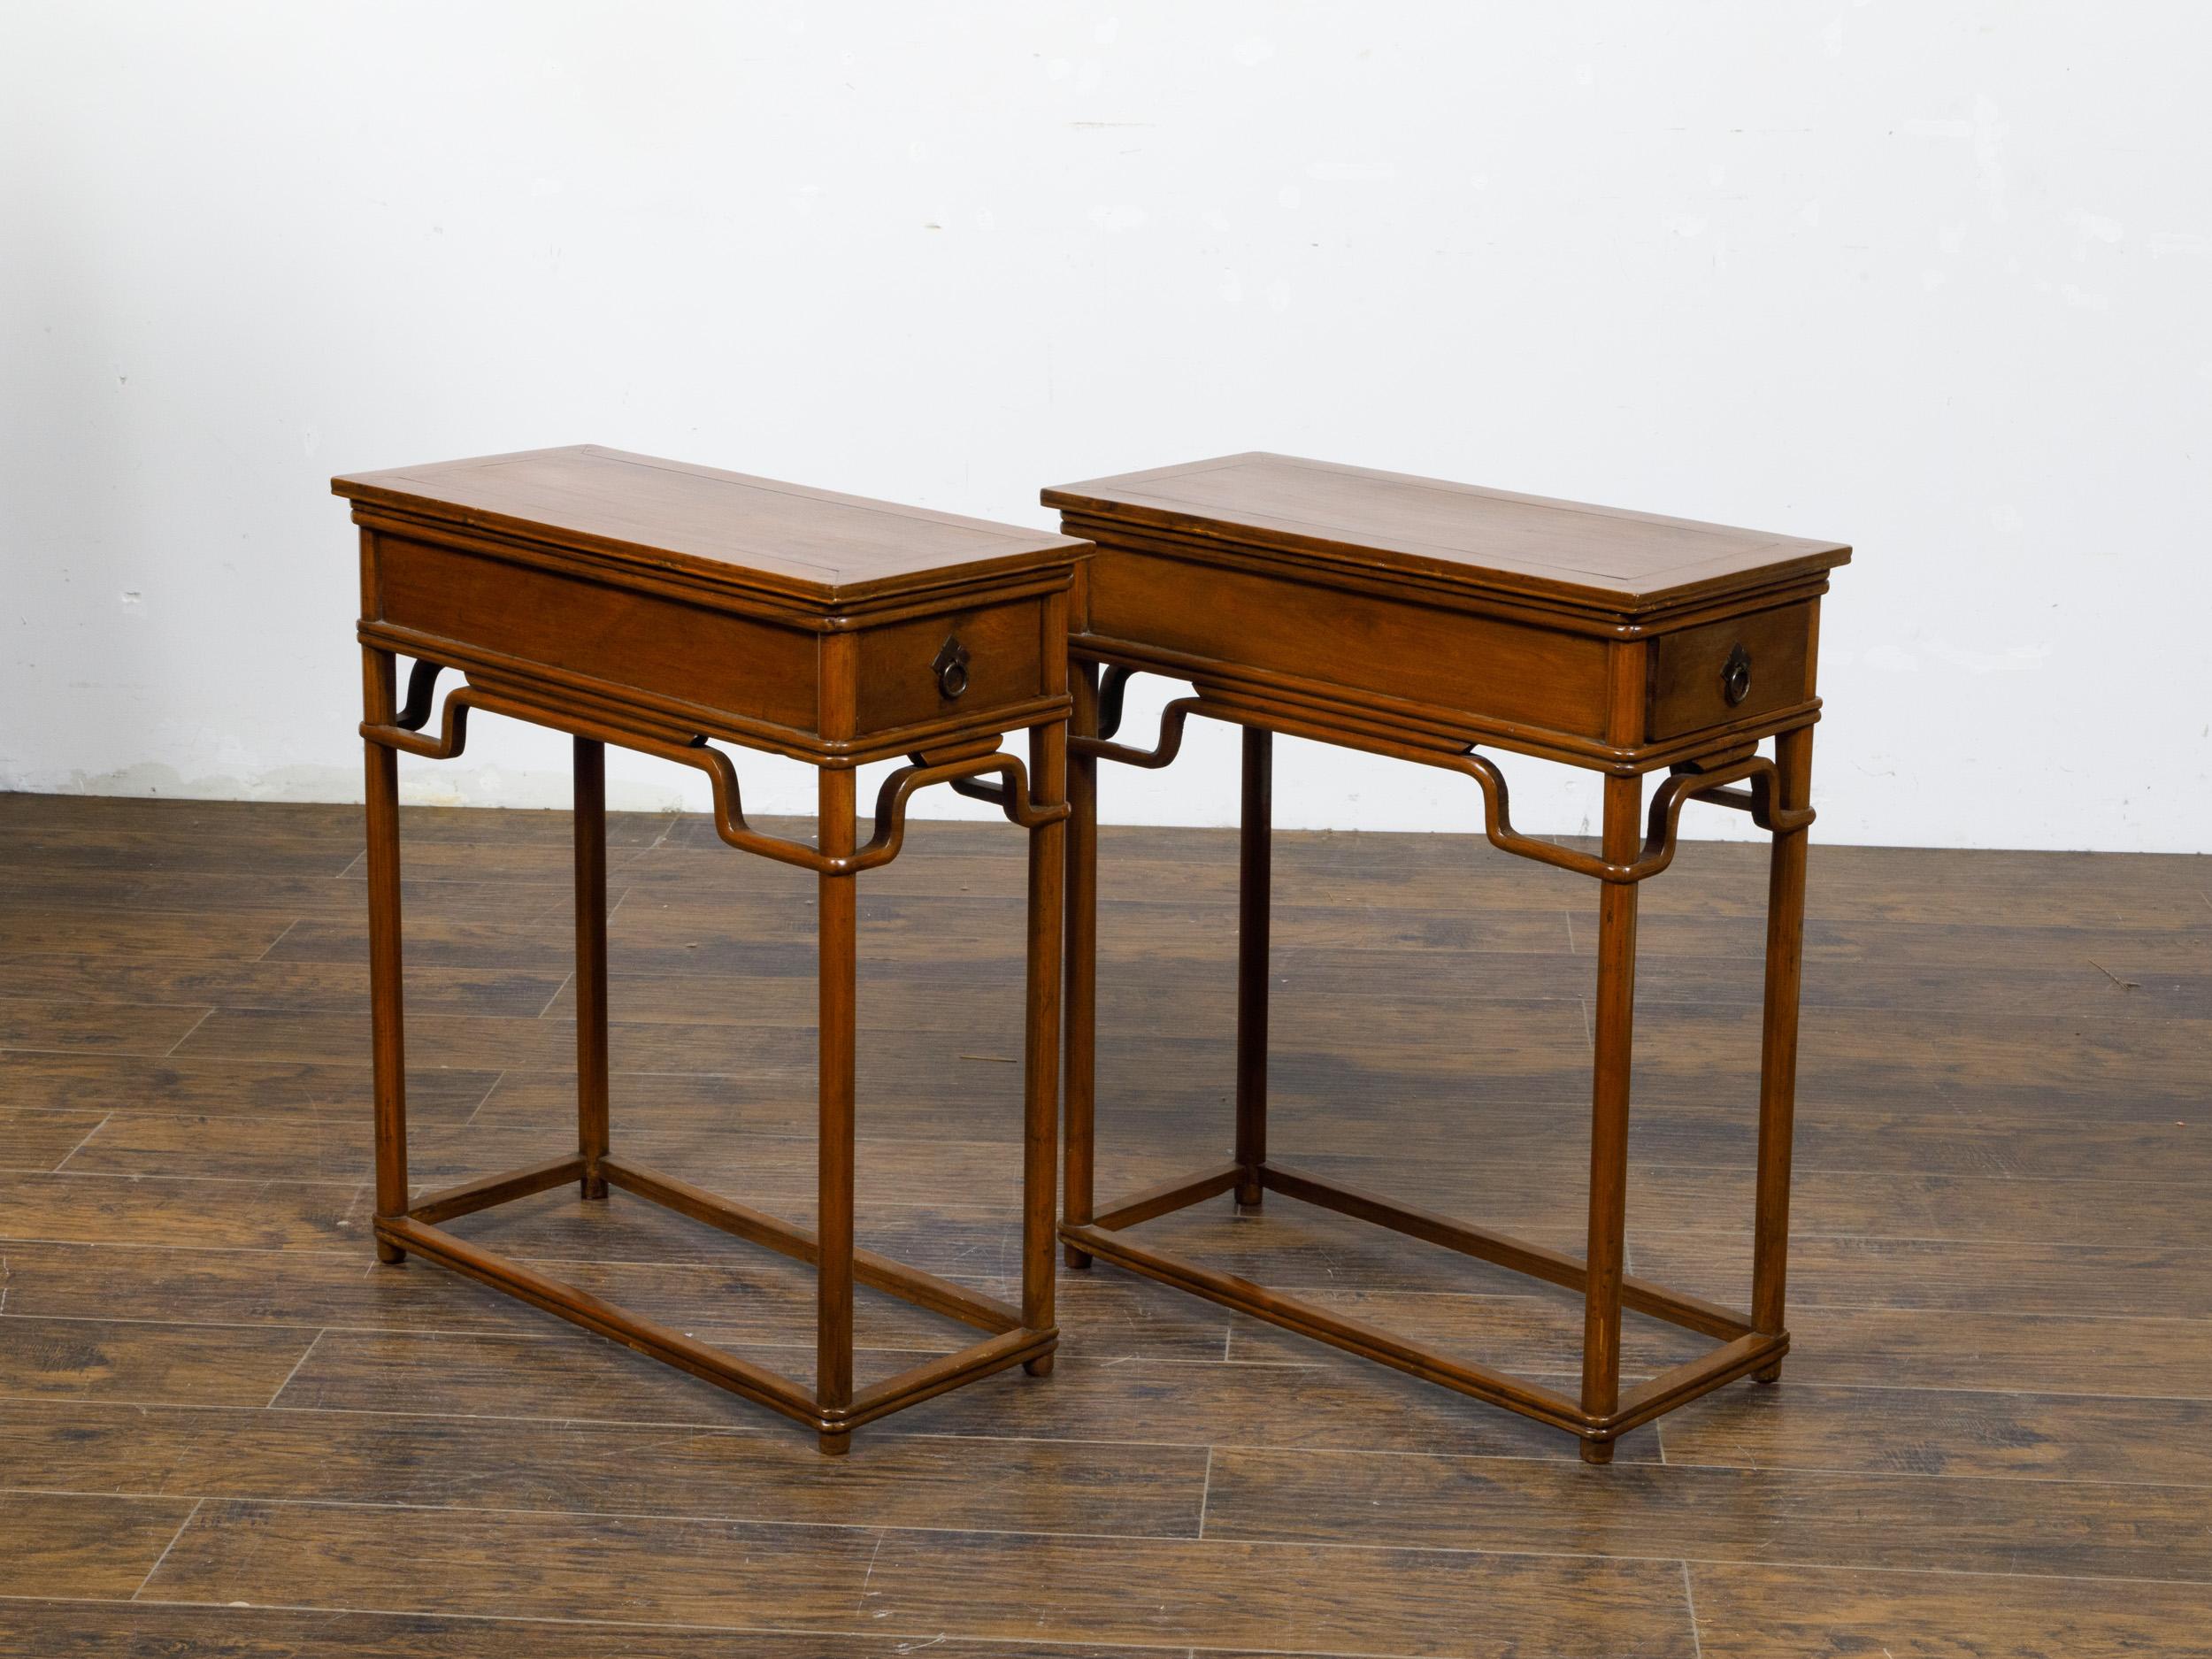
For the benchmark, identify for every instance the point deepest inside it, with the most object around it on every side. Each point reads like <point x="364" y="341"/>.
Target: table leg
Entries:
<point x="1778" y="1048"/>
<point x="591" y="961"/>
<point x="1081" y="1001"/>
<point x="1609" y="1114"/>
<point x="838" y="922"/>
<point x="1253" y="897"/>
<point x="389" y="1049"/>
<point x="1040" y="1054"/>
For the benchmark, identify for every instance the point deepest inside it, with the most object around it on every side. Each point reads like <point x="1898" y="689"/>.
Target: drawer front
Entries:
<point x="962" y="664"/>
<point x="646" y="642"/>
<point x="1494" y="670"/>
<point x="1727" y="672"/>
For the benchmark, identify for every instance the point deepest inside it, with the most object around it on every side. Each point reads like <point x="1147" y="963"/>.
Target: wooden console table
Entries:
<point x="1418" y="620"/>
<point x="663" y="607"/>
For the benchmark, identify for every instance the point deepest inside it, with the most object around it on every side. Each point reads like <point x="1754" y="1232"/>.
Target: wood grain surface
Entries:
<point x="659" y="514"/>
<point x="1488" y="538"/>
<point x="226" y="1431"/>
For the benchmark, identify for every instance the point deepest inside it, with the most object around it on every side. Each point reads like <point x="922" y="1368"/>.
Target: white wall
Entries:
<point x="1931" y="278"/>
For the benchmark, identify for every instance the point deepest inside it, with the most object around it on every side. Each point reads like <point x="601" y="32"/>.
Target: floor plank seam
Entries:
<point x="686" y="1517"/>
<point x="1259" y="1544"/>
<point x="80" y="1144"/>
<point x="693" y="1426"/>
<point x="166" y="1548"/>
<point x="1076" y="1646"/>
<point x="556" y="997"/>
<point x="988" y="1282"/>
<point x="295" y="1372"/>
<point x="280" y="938"/>
<point x="490" y="1089"/>
<point x="180" y="1042"/>
<point x="637" y="855"/>
<point x="1774" y="1474"/>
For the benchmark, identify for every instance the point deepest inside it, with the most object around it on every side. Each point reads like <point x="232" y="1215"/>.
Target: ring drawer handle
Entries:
<point x="951" y="669"/>
<point x="1735" y="676"/>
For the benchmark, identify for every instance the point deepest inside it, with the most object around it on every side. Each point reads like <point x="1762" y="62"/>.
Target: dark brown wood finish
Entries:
<point x="657" y="605"/>
<point x="1416" y="619"/>
<point x="1995" y="1437"/>
<point x="1253" y="902"/>
<point x="1079" y="987"/>
<point x="835" y="974"/>
<point x="1040" y="1031"/>
<point x="388" y="1052"/>
<point x="1777" y="1039"/>
<point x="590" y="810"/>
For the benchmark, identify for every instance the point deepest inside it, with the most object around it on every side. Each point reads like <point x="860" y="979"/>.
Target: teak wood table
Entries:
<point x="663" y="607"/>
<point x="1419" y="619"/>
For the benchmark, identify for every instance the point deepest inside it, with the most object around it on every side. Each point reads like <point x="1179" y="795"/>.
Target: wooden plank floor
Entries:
<point x="223" y="1430"/>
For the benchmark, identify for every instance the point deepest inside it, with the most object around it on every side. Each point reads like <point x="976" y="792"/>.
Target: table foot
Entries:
<point x="1597" y="1451"/>
<point x="1768" y="1373"/>
<point x="390" y="1255"/>
<point x="834" y="1443"/>
<point x="1041" y="1366"/>
<point x="1077" y="1259"/>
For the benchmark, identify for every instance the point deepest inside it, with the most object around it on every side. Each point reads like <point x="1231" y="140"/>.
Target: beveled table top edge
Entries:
<point x="1124" y="498"/>
<point x="401" y="490"/>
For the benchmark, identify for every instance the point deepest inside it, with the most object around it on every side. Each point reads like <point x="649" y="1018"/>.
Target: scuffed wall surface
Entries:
<point x="1929" y="278"/>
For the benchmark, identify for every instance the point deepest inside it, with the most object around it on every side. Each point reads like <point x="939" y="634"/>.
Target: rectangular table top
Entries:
<point x="812" y="545"/>
<point x="1484" y="540"/>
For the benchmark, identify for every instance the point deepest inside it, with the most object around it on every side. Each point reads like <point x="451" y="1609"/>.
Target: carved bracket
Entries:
<point x="1164" y="748"/>
<point x="1012" y="793"/>
<point x="1691" y="780"/>
<point x="1662" y="820"/>
<point x="1113" y="685"/>
<point x="422" y="685"/>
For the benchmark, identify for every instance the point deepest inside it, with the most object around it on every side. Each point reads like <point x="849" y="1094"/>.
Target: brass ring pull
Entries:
<point x="951" y="669"/>
<point x="1735" y="676"/>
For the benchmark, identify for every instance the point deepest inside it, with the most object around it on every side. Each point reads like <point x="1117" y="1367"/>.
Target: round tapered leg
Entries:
<point x="1777" y="1041"/>
<point x="1614" y="1012"/>
<point x="1078" y="955"/>
<point x="1253" y="897"/>
<point x="591" y="961"/>
<point x="387" y="1017"/>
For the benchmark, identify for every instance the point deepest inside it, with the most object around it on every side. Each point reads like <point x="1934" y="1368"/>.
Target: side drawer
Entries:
<point x="1726" y="672"/>
<point x="1002" y="666"/>
<point x="646" y="642"/>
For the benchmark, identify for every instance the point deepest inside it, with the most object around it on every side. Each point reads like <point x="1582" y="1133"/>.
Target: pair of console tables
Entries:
<point x="664" y="607"/>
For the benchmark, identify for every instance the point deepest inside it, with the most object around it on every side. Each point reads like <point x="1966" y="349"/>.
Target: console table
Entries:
<point x="665" y="608"/>
<point x="1420" y="620"/>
